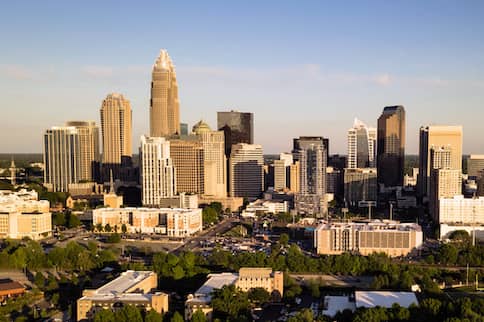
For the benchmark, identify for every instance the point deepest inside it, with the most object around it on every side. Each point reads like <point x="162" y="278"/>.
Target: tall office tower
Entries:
<point x="311" y="154"/>
<point x="61" y="158"/>
<point x="116" y="135"/>
<point x="157" y="171"/>
<point x="215" y="162"/>
<point x="475" y="165"/>
<point x="281" y="170"/>
<point x="188" y="159"/>
<point x="391" y="146"/>
<point x="164" y="105"/>
<point x="294" y="177"/>
<point x="437" y="136"/>
<point x="360" y="146"/>
<point x="238" y="127"/>
<point x="444" y="181"/>
<point x="90" y="157"/>
<point x="246" y="170"/>
<point x="372" y="137"/>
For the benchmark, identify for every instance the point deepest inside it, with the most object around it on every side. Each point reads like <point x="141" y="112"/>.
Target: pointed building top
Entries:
<point x="163" y="61"/>
<point x="111" y="182"/>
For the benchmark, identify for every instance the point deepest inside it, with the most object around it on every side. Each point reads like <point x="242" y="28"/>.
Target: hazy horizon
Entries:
<point x="302" y="70"/>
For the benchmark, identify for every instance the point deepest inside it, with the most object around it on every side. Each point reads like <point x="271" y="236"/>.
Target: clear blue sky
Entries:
<point x="302" y="67"/>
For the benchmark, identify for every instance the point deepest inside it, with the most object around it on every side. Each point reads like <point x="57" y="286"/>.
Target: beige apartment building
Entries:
<point x="246" y="279"/>
<point x="164" y="104"/>
<point x="215" y="162"/>
<point x="433" y="137"/>
<point x="135" y="288"/>
<point x="89" y="155"/>
<point x="22" y="215"/>
<point x="174" y="222"/>
<point x="389" y="237"/>
<point x="116" y="123"/>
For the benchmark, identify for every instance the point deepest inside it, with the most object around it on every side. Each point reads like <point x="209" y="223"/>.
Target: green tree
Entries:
<point x="105" y="316"/>
<point x="124" y="229"/>
<point x="284" y="239"/>
<point x="209" y="215"/>
<point x="153" y="316"/>
<point x="114" y="238"/>
<point x="230" y="303"/>
<point x="128" y="313"/>
<point x="39" y="280"/>
<point x="99" y="227"/>
<point x="107" y="228"/>
<point x="259" y="295"/>
<point x="177" y="317"/>
<point x="73" y="221"/>
<point x="198" y="316"/>
<point x="305" y="315"/>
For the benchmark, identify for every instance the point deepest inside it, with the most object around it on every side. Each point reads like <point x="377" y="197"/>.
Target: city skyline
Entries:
<point x="428" y="66"/>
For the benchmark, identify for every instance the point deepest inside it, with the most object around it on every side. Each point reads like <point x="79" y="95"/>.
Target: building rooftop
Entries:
<point x="372" y="225"/>
<point x="124" y="282"/>
<point x="384" y="299"/>
<point x="122" y="288"/>
<point x="9" y="285"/>
<point x="335" y="304"/>
<point x="214" y="282"/>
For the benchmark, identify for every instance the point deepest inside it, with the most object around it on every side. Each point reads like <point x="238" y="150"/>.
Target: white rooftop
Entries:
<point x="335" y="304"/>
<point x="124" y="282"/>
<point x="384" y="299"/>
<point x="215" y="282"/>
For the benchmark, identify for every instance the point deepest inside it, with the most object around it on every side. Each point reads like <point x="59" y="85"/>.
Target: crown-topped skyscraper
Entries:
<point x="164" y="104"/>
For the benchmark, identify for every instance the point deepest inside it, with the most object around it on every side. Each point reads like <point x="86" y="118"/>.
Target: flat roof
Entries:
<point x="124" y="282"/>
<point x="384" y="299"/>
<point x="214" y="282"/>
<point x="335" y="304"/>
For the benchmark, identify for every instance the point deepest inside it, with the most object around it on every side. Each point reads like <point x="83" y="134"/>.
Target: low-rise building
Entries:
<point x="9" y="289"/>
<point x="389" y="237"/>
<point x="265" y="207"/>
<point x="248" y="278"/>
<point x="474" y="231"/>
<point x="22" y="215"/>
<point x="461" y="210"/>
<point x="135" y="288"/>
<point x="367" y="299"/>
<point x="174" y="222"/>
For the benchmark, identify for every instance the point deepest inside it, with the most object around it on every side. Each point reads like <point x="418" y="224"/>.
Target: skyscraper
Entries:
<point x="157" y="171"/>
<point x="391" y="146"/>
<point x="164" y="104"/>
<point x="90" y="158"/>
<point x="238" y="127"/>
<point x="215" y="162"/>
<point x="475" y="165"/>
<point x="281" y="170"/>
<point x="434" y="137"/>
<point x="246" y="170"/>
<point x="361" y="146"/>
<point x="311" y="154"/>
<point x="61" y="158"/>
<point x="116" y="135"/>
<point x="188" y="159"/>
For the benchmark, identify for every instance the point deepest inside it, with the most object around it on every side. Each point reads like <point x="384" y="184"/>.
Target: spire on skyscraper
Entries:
<point x="164" y="104"/>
